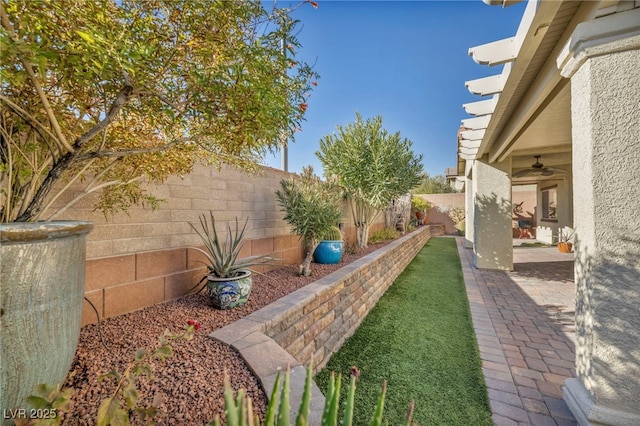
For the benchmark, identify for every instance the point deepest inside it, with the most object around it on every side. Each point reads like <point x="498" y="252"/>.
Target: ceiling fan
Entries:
<point x="538" y="169"/>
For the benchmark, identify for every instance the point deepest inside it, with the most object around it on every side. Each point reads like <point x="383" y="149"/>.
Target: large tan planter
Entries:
<point x="41" y="293"/>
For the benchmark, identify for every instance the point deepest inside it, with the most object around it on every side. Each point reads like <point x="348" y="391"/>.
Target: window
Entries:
<point x="549" y="203"/>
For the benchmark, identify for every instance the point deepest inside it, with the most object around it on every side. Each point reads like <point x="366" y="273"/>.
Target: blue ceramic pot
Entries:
<point x="328" y="252"/>
<point x="229" y="293"/>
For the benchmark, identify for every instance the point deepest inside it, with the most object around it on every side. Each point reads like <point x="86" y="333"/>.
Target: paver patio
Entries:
<point x="524" y="324"/>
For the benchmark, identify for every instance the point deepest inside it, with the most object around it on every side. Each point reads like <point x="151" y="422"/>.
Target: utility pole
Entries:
<point x="284" y="153"/>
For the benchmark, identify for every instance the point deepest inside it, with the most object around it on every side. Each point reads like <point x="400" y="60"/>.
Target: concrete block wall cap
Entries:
<point x="315" y="288"/>
<point x="273" y="312"/>
<point x="346" y="270"/>
<point x="252" y="339"/>
<point x="237" y="330"/>
<point x="302" y="295"/>
<point x="267" y="358"/>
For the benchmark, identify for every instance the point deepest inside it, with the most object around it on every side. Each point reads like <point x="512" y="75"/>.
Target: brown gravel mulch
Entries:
<point x="191" y="381"/>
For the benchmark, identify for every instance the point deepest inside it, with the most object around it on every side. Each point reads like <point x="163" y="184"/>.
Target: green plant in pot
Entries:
<point x="329" y="249"/>
<point x="565" y="240"/>
<point x="420" y="207"/>
<point x="93" y="107"/>
<point x="228" y="278"/>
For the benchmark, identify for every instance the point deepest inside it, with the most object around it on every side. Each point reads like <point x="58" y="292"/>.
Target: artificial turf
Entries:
<point x="420" y="339"/>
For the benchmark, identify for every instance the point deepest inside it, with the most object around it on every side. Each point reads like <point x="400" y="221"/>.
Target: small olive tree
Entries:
<point x="109" y="94"/>
<point x="373" y="167"/>
<point x="311" y="207"/>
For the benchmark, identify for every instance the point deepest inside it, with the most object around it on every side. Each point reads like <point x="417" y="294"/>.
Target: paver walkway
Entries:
<point x="524" y="323"/>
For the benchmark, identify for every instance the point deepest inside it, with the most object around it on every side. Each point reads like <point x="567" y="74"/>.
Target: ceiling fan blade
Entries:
<point x="547" y="172"/>
<point x="522" y="173"/>
<point x="555" y="170"/>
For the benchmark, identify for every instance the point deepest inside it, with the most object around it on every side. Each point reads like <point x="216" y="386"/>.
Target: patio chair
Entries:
<point x="524" y="226"/>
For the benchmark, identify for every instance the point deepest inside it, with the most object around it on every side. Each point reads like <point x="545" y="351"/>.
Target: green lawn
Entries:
<point x="419" y="337"/>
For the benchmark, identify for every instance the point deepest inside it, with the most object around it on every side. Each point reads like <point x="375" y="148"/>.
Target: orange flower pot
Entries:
<point x="565" y="247"/>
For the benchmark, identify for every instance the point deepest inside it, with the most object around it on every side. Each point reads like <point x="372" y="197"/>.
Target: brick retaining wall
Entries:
<point x="311" y="323"/>
<point x="336" y="304"/>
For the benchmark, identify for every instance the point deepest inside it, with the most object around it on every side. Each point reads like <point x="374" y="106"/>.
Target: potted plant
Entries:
<point x="565" y="240"/>
<point x="228" y="279"/>
<point x="420" y="206"/>
<point x="329" y="249"/>
<point x="311" y="207"/>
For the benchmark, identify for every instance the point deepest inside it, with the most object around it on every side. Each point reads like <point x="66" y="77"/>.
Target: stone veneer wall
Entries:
<point x="313" y="322"/>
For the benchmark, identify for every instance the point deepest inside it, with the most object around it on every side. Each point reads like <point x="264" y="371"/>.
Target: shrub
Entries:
<point x="372" y="166"/>
<point x="110" y="94"/>
<point x="457" y="215"/>
<point x="383" y="235"/>
<point x="311" y="207"/>
<point x="420" y="204"/>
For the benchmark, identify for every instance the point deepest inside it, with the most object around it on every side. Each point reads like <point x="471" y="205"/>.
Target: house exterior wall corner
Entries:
<point x="609" y="34"/>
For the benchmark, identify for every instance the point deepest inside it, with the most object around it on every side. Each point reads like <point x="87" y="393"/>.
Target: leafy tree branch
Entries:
<point x="160" y="85"/>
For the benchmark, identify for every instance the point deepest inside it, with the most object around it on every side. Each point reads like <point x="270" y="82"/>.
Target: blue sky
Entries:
<point x="404" y="60"/>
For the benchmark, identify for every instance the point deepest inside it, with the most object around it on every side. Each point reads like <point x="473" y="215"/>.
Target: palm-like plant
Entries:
<point x="311" y="207"/>
<point x="222" y="256"/>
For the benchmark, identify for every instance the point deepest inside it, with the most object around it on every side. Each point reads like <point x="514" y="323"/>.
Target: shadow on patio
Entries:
<point x="524" y="324"/>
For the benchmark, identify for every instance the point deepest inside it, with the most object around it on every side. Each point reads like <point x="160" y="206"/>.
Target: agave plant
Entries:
<point x="239" y="408"/>
<point x="222" y="256"/>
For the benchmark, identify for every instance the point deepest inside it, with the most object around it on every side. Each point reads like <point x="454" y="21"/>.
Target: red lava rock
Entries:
<point x="191" y="381"/>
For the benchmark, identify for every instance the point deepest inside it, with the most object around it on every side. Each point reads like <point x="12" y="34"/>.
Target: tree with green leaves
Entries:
<point x="373" y="167"/>
<point x="312" y="208"/>
<point x="433" y="185"/>
<point x="111" y="94"/>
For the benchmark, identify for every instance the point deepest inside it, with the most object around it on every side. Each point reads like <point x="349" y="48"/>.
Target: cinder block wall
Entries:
<point x="316" y="326"/>
<point x="142" y="257"/>
<point x="228" y="192"/>
<point x="441" y="204"/>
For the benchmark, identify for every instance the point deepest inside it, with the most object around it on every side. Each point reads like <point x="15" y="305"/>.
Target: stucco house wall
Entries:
<point x="547" y="230"/>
